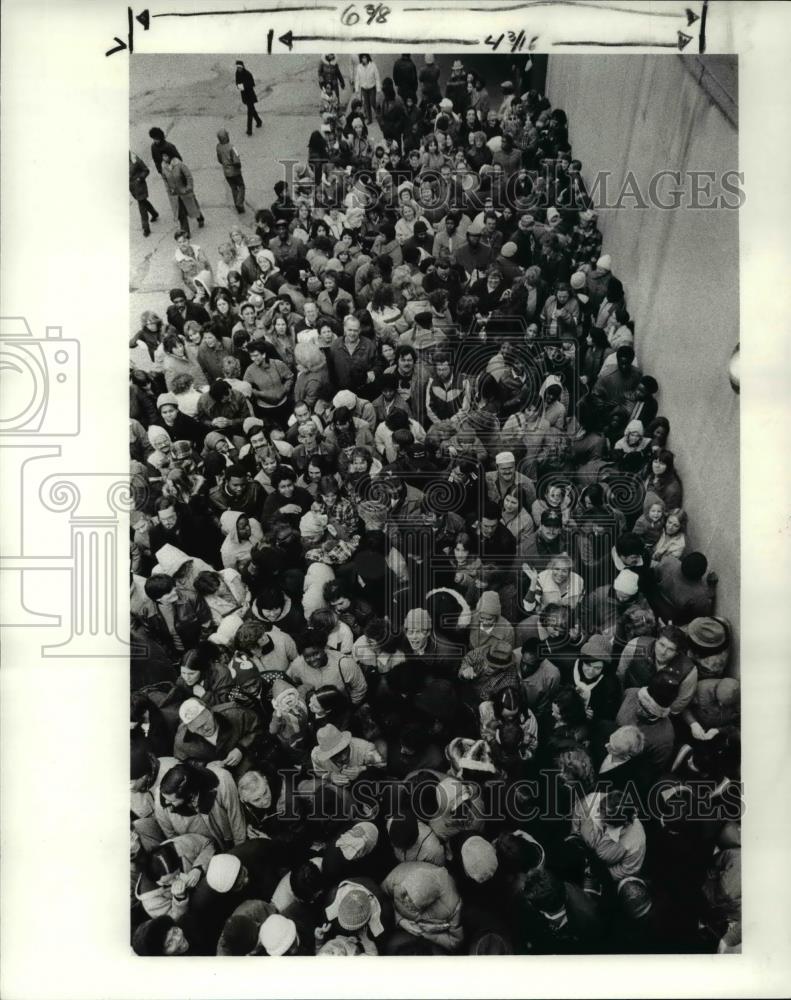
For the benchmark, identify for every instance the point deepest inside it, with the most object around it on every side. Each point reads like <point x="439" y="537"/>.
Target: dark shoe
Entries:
<point x="155" y="216"/>
<point x="146" y="232"/>
<point x="258" y="124"/>
<point x="201" y="222"/>
<point x="250" y="132"/>
<point x="240" y="210"/>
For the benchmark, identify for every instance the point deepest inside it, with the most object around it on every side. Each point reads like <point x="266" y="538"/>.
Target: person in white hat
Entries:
<point x="278" y="936"/>
<point x="226" y="873"/>
<point x="223" y="734"/>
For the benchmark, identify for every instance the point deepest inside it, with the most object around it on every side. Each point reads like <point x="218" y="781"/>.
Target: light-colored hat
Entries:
<point x="446" y="104"/>
<point x="627" y="582"/>
<point x="223" y="872"/>
<point x="489" y="603"/>
<point x="345" y="398"/>
<point x="277" y="934"/>
<point x="552" y="214"/>
<point x="250" y="422"/>
<point x="267" y="254"/>
<point x="604" y="263"/>
<point x="504" y="458"/>
<point x="475" y="228"/>
<point x="479" y="859"/>
<point x="457" y="64"/>
<point x="330" y="741"/>
<point x="578" y="281"/>
<point x="508" y="249"/>
<point x="166" y="399"/>
<point x="190" y="709"/>
<point x="417" y="618"/>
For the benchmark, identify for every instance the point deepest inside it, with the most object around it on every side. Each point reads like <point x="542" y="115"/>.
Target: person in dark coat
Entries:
<point x="405" y="77"/>
<point x="224" y="733"/>
<point x="181" y="311"/>
<point x="161" y="147"/>
<point x="245" y="84"/>
<point x="138" y="188"/>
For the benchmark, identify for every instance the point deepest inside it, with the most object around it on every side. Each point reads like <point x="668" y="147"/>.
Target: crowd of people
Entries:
<point x="423" y="658"/>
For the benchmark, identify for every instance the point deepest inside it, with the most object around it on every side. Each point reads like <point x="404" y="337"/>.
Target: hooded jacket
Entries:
<point x="227" y="156"/>
<point x="427" y="903"/>
<point x="232" y="549"/>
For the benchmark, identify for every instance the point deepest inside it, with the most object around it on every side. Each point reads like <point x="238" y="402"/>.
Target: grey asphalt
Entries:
<point x="190" y="98"/>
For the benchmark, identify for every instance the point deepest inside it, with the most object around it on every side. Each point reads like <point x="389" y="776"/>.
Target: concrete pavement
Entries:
<point x="190" y="98"/>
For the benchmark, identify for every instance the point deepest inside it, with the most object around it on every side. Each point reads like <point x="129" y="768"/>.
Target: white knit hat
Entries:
<point x="190" y="709"/>
<point x="277" y="934"/>
<point x="223" y="872"/>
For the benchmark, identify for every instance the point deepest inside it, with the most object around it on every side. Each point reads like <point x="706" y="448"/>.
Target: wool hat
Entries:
<point x="253" y="241"/>
<point x="604" y="263"/>
<point x="167" y="399"/>
<point x="504" y="458"/>
<point x="250" y="422"/>
<point x="222" y="872"/>
<point x="490" y="943"/>
<point x="597" y="648"/>
<point x="190" y="709"/>
<point x="578" y="281"/>
<point x="277" y="934"/>
<point x="498" y="655"/>
<point x="313" y="284"/>
<point x="149" y="938"/>
<point x="180" y="450"/>
<point x="330" y="741"/>
<point x="358" y="842"/>
<point x="707" y="636"/>
<point x="479" y="859"/>
<point x="508" y="249"/>
<point x="526" y="221"/>
<point x="489" y="603"/>
<point x="727" y="692"/>
<point x="422" y="887"/>
<point x="417" y="618"/>
<point x="354" y="910"/>
<point x="551" y="519"/>
<point x="627" y="582"/>
<point x="634" y="897"/>
<point x="553" y="215"/>
<point x="446" y="104"/>
<point x="345" y="398"/>
<point x="373" y="514"/>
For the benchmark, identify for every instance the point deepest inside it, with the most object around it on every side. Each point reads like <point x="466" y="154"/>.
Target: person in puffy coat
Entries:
<point x="426" y="903"/>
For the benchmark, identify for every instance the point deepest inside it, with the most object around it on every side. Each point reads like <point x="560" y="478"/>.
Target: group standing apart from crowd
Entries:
<point x="423" y="659"/>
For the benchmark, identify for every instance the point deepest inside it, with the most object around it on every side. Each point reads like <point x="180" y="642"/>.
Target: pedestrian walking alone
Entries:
<point x="138" y="188"/>
<point x="367" y="85"/>
<point x="181" y="191"/>
<point x="246" y="86"/>
<point x="231" y="164"/>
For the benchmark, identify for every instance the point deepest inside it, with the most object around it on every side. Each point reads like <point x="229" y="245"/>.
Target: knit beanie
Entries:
<point x="627" y="583"/>
<point x="422" y="886"/>
<point x="149" y="938"/>
<point x="277" y="934"/>
<point x="596" y="648"/>
<point x="489" y="603"/>
<point x="417" y="618"/>
<point x="354" y="910"/>
<point x="479" y="859"/>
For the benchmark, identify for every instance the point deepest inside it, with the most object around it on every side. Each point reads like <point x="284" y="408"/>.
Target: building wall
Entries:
<point x="680" y="269"/>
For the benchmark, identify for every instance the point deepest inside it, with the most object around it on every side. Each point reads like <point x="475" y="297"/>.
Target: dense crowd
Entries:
<point x="423" y="660"/>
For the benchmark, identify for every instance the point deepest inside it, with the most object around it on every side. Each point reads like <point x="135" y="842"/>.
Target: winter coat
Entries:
<point x="238" y="728"/>
<point x="427" y="903"/>
<point x="178" y="179"/>
<point x="227" y="156"/>
<point x="223" y="823"/>
<point x="138" y="172"/>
